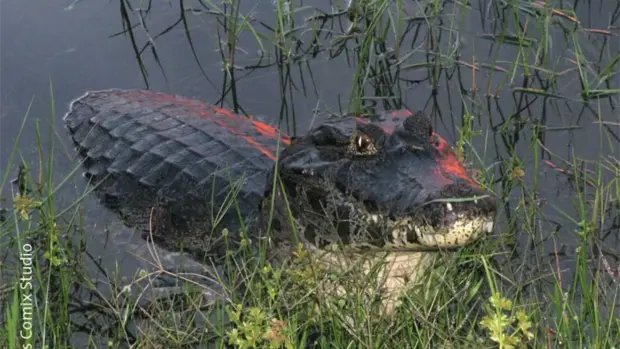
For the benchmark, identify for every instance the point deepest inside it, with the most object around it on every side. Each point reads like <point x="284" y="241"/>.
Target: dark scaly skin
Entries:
<point x="169" y="163"/>
<point x="159" y="154"/>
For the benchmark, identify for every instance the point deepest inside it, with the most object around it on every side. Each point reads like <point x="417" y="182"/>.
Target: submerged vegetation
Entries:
<point x="517" y="85"/>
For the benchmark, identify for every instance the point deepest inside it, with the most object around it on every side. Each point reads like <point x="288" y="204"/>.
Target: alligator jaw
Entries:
<point x="460" y="230"/>
<point x="398" y="271"/>
<point x="463" y="231"/>
<point x="403" y="263"/>
<point x="439" y="225"/>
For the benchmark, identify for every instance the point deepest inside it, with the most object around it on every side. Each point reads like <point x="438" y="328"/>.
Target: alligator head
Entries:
<point x="360" y="184"/>
<point x="369" y="186"/>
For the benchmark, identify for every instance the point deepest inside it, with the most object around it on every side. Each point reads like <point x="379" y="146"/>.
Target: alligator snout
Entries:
<point x="461" y="198"/>
<point x="458" y="215"/>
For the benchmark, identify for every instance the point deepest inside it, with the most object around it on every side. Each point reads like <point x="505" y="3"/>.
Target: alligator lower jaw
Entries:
<point x="394" y="271"/>
<point x="463" y="231"/>
<point x="400" y="264"/>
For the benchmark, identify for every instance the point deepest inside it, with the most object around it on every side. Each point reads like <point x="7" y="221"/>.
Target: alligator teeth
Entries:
<point x="418" y="231"/>
<point x="307" y="172"/>
<point x="374" y="218"/>
<point x="449" y="206"/>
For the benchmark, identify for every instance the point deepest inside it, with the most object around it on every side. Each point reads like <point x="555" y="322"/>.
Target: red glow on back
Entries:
<point x="262" y="149"/>
<point x="234" y="123"/>
<point x="449" y="167"/>
<point x="270" y="131"/>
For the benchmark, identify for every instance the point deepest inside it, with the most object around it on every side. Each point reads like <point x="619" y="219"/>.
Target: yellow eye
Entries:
<point x="361" y="144"/>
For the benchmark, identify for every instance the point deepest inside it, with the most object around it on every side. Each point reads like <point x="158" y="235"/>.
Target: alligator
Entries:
<point x="194" y="176"/>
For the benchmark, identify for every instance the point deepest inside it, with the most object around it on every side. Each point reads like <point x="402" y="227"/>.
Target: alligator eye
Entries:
<point x="363" y="145"/>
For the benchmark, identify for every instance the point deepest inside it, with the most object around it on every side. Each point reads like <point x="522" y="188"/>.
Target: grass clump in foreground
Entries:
<point x="466" y="300"/>
<point x="517" y="289"/>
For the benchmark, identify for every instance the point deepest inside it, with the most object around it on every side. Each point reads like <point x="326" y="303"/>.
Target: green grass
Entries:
<point x="548" y="278"/>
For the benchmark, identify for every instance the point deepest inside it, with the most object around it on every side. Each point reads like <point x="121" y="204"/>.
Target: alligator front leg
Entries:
<point x="174" y="286"/>
<point x="167" y="275"/>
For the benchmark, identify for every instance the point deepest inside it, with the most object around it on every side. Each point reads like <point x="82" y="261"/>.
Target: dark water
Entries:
<point x="71" y="48"/>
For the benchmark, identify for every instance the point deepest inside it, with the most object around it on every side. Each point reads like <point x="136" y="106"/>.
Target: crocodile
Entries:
<point x="182" y="171"/>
